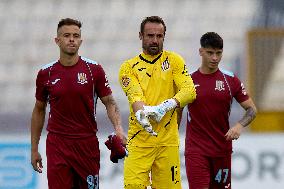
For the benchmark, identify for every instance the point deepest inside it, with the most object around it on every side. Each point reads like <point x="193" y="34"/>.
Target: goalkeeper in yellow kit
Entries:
<point x="158" y="86"/>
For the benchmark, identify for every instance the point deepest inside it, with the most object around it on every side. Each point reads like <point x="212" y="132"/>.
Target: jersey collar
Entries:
<point x="149" y="58"/>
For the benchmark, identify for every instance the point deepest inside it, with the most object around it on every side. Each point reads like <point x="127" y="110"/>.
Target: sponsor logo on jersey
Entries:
<point x="125" y="81"/>
<point x="165" y="65"/>
<point x="185" y="72"/>
<point x="141" y="69"/>
<point x="82" y="78"/>
<point x="197" y="85"/>
<point x="219" y="85"/>
<point x="55" y="81"/>
<point x="228" y="186"/>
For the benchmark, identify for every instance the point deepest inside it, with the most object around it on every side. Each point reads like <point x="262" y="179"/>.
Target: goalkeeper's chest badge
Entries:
<point x="165" y="65"/>
<point x="125" y="81"/>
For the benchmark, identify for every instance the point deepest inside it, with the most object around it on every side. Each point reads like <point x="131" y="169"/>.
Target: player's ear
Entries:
<point x="56" y="39"/>
<point x="200" y="51"/>
<point x="140" y="36"/>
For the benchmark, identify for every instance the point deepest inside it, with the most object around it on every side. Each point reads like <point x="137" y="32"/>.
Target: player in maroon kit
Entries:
<point x="71" y="86"/>
<point x="208" y="143"/>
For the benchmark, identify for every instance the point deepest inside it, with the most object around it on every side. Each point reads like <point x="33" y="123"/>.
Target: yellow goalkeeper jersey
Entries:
<point x="153" y="79"/>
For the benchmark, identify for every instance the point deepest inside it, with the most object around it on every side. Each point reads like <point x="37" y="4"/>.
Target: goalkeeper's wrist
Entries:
<point x="138" y="115"/>
<point x="168" y="105"/>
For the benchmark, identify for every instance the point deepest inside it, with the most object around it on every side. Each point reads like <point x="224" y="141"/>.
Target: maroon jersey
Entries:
<point x="208" y="115"/>
<point x="72" y="93"/>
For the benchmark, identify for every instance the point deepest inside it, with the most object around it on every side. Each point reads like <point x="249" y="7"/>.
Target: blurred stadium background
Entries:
<point x="253" y="33"/>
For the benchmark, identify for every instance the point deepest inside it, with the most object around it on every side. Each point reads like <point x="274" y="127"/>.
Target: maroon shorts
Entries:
<point x="208" y="172"/>
<point x="72" y="163"/>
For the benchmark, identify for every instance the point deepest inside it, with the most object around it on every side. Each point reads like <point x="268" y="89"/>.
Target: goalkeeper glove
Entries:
<point x="143" y="120"/>
<point x="159" y="111"/>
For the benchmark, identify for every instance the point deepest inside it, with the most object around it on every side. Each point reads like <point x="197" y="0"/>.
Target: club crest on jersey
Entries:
<point x="125" y="81"/>
<point x="165" y="65"/>
<point x="82" y="78"/>
<point x="219" y="85"/>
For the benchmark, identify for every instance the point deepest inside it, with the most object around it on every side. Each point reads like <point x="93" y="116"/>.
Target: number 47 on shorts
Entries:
<point x="222" y="175"/>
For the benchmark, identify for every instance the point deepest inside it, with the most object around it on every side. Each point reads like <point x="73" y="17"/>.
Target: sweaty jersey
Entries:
<point x="153" y="79"/>
<point x="208" y="115"/>
<point x="72" y="93"/>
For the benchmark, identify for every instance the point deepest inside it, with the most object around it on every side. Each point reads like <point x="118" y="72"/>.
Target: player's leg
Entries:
<point x="59" y="173"/>
<point x="221" y="173"/>
<point x="166" y="168"/>
<point x="137" y="167"/>
<point x="84" y="158"/>
<point x="197" y="171"/>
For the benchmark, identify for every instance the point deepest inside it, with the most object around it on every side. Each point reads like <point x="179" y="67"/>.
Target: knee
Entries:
<point x="135" y="186"/>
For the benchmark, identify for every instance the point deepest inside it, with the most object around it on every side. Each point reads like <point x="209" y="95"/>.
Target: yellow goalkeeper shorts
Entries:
<point x="155" y="166"/>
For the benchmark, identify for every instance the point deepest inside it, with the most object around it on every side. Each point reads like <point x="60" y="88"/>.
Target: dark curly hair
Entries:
<point x="211" y="40"/>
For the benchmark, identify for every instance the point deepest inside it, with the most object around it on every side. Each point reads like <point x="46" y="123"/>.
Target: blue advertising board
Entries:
<point x="15" y="169"/>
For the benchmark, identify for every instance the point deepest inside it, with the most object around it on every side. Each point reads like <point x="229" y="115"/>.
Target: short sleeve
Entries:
<point x="240" y="93"/>
<point x="102" y="87"/>
<point x="41" y="87"/>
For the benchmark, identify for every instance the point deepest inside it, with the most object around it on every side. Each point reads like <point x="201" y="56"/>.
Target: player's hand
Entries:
<point x="234" y="132"/>
<point x="154" y="112"/>
<point x="144" y="121"/>
<point x="36" y="161"/>
<point x="122" y="136"/>
<point x="158" y="112"/>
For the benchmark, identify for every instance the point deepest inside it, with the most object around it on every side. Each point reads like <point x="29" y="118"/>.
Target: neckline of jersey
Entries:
<point x="72" y="66"/>
<point x="210" y="74"/>
<point x="154" y="58"/>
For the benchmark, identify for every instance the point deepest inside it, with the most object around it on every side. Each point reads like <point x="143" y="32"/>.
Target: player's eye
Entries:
<point x="160" y="36"/>
<point x="76" y="35"/>
<point x="66" y="35"/>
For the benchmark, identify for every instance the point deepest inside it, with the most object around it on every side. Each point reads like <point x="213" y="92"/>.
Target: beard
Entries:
<point x="71" y="53"/>
<point x="153" y="49"/>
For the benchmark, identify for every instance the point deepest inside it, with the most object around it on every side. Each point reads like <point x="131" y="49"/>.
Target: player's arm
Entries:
<point x="37" y="123"/>
<point x="185" y="87"/>
<point x="132" y="89"/>
<point x="186" y="90"/>
<point x="250" y="114"/>
<point x="138" y="105"/>
<point x="104" y="92"/>
<point x="114" y="115"/>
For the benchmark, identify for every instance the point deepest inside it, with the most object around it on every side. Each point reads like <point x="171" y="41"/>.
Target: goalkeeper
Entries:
<point x="158" y="86"/>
